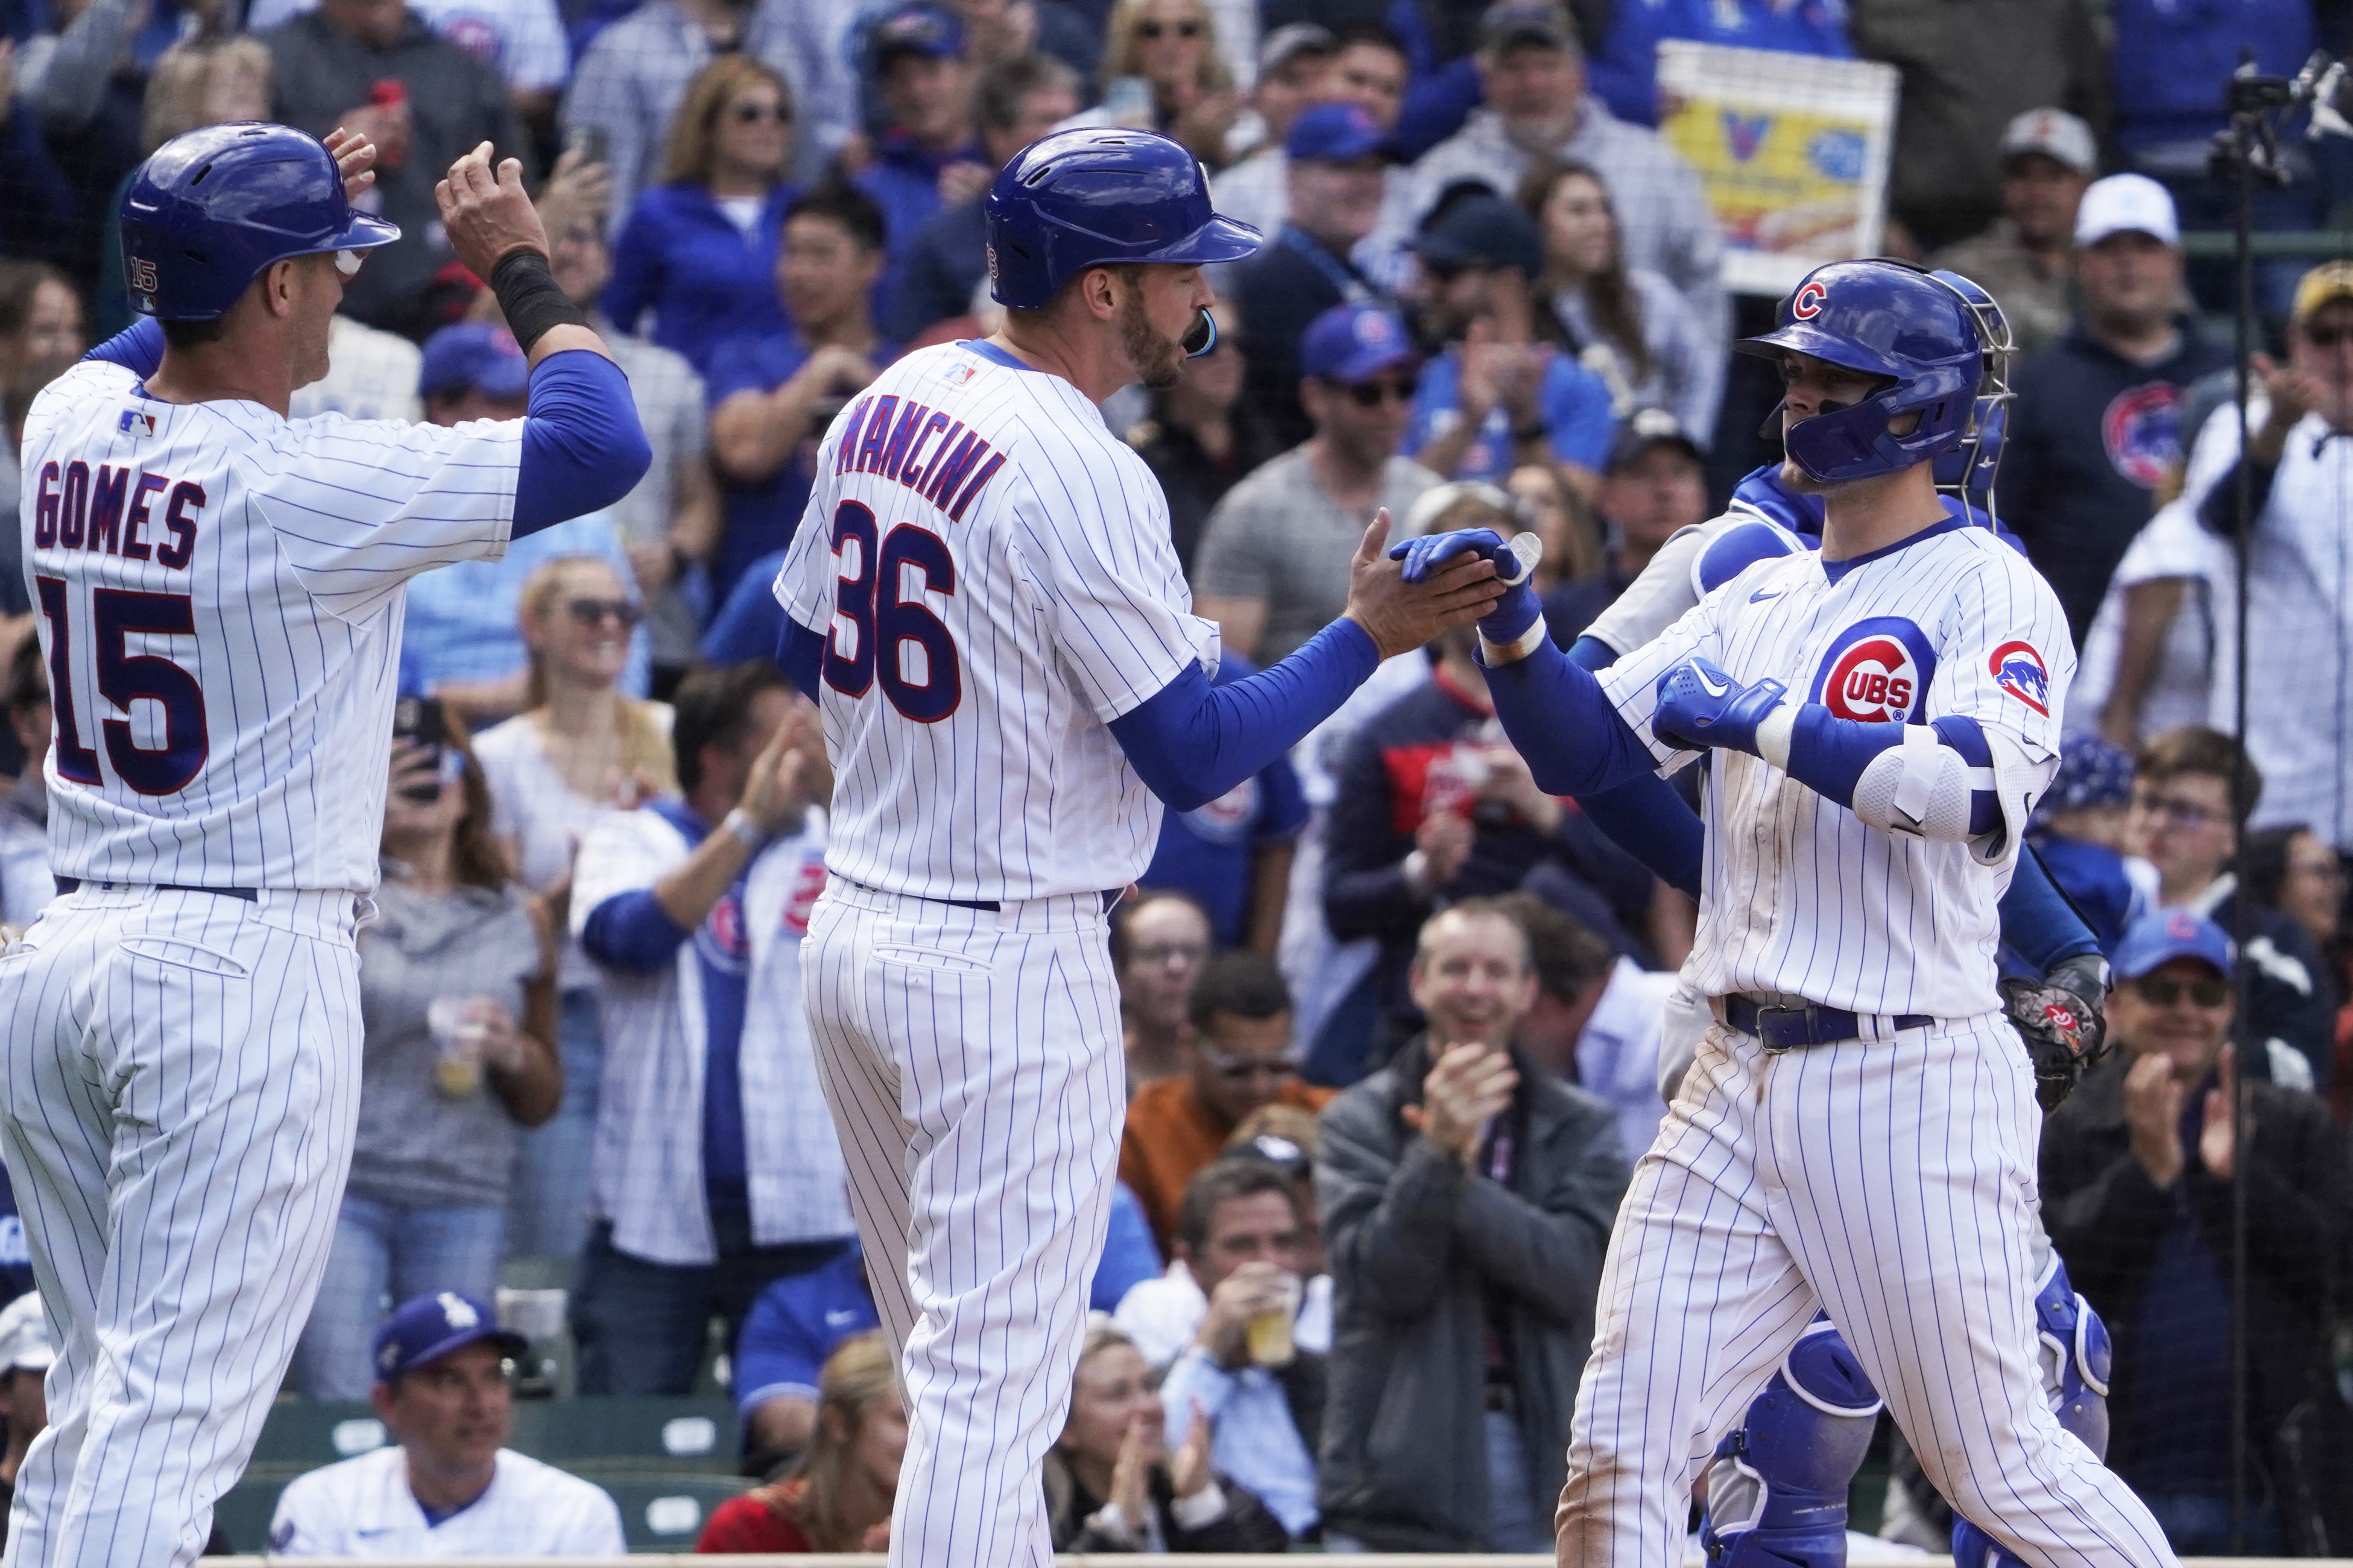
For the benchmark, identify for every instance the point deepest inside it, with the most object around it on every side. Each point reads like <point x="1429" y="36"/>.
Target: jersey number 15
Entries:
<point x="868" y="595"/>
<point x="123" y="678"/>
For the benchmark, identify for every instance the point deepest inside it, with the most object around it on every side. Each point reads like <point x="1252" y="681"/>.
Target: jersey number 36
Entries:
<point x="869" y="585"/>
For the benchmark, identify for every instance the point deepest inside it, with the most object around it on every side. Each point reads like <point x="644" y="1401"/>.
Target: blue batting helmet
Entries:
<point x="209" y="210"/>
<point x="1888" y="319"/>
<point x="1101" y="197"/>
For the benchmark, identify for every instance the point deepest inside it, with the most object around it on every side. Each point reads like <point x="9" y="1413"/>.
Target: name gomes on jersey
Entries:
<point x="1876" y="671"/>
<point x="108" y="512"/>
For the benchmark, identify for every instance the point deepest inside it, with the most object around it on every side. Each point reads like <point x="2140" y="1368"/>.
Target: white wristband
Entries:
<point x="748" y="833"/>
<point x="1518" y="648"/>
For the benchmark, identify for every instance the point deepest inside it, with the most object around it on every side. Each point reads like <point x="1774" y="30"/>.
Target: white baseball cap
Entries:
<point x="25" y="1335"/>
<point x="2057" y="135"/>
<point x="2126" y="203"/>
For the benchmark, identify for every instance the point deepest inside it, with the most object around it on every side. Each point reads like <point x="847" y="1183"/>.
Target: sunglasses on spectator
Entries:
<point x="2173" y="808"/>
<point x="1368" y="394"/>
<point x="1160" y="953"/>
<point x="1153" y="32"/>
<point x="752" y="113"/>
<point x="2327" y="337"/>
<point x="592" y="611"/>
<point x="2165" y="990"/>
<point x="1237" y="1068"/>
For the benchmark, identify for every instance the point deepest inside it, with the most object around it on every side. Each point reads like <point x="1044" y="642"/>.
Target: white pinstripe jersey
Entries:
<point x="994" y="576"/>
<point x="1799" y="894"/>
<point x="220" y="599"/>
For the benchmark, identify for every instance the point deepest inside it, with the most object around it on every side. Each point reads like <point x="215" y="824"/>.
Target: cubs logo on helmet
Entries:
<point x="1808" y="303"/>
<point x="2141" y="428"/>
<point x="1877" y="672"/>
<point x="2018" y="670"/>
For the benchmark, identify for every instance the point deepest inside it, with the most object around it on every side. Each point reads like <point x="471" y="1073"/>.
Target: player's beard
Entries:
<point x="1159" y="359"/>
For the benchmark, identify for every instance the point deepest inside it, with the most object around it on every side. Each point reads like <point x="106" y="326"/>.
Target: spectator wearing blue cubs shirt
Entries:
<point x="928" y="158"/>
<point x="802" y="1319"/>
<point x="1493" y="399"/>
<point x="1234" y="854"/>
<point x="771" y="394"/>
<point x="1624" y="73"/>
<point x="694" y="908"/>
<point x="2078" y="828"/>
<point x="698" y="250"/>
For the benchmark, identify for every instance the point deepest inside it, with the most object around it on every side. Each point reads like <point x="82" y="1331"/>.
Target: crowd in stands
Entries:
<point x="1393" y="1014"/>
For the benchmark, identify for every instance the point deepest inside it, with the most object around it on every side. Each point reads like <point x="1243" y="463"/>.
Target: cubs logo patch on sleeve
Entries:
<point x="2018" y="670"/>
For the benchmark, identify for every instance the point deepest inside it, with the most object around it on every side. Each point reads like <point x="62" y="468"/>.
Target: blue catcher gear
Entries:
<point x="1885" y="319"/>
<point x="1103" y="196"/>
<point x="2076" y="1356"/>
<point x="1776" y="1495"/>
<point x="1966" y="473"/>
<point x="209" y="211"/>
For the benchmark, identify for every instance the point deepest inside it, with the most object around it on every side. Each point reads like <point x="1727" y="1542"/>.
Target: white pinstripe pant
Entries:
<point x="1892" y="1182"/>
<point x="973" y="1062"/>
<point x="182" y="1088"/>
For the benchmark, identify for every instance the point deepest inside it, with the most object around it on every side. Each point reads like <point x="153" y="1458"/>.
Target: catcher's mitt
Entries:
<point x="2063" y="1022"/>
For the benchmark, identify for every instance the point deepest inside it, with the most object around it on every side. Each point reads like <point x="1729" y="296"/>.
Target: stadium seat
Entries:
<point x="666" y="1513"/>
<point x="646" y="1436"/>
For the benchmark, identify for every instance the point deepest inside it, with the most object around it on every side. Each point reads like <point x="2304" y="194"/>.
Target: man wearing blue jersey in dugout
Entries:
<point x="1855" y="1132"/>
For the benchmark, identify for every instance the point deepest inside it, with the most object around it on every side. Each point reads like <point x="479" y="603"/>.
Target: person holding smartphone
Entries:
<point x="457" y="1000"/>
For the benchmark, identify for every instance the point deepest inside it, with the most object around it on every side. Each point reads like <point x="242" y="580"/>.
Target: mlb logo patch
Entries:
<point x="960" y="373"/>
<point x="134" y="422"/>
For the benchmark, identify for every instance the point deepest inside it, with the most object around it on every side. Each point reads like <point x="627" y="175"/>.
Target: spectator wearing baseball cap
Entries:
<point x="2048" y="158"/>
<point x="1293" y="61"/>
<point x="1273" y="567"/>
<point x="447" y="1486"/>
<point x="1532" y="68"/>
<point x="1015" y="103"/>
<point x="25" y="1357"/>
<point x="463" y="642"/>
<point x="1335" y="162"/>
<point x="927" y="156"/>
<point x="2300" y="727"/>
<point x="1653" y="486"/>
<point x="1493" y="397"/>
<point x="2095" y="427"/>
<point x="2137" y="1174"/>
<point x="1362" y="64"/>
<point x="2079" y="830"/>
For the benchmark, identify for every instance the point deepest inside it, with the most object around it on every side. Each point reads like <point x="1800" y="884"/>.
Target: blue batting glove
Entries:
<point x="1700" y="707"/>
<point x="1508" y="618"/>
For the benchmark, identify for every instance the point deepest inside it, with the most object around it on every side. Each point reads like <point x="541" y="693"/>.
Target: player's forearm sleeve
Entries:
<point x="629" y="930"/>
<point x="1564" y="725"/>
<point x="1590" y="652"/>
<point x="138" y="348"/>
<point x="1191" y="742"/>
<point x="1935" y="782"/>
<point x="2037" y="921"/>
<point x="1645" y="818"/>
<point x="800" y="654"/>
<point x="583" y="447"/>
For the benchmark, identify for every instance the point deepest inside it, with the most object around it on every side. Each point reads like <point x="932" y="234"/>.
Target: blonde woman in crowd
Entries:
<point x="580" y="747"/>
<point x="839" y="1496"/>
<point x="1171" y="46"/>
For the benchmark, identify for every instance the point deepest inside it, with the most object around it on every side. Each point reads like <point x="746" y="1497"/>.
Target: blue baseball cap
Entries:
<point x="1479" y="228"/>
<point x="2159" y="937"/>
<point x="429" y="1327"/>
<point x="931" y="31"/>
<point x="1338" y="134"/>
<point x="2093" y="771"/>
<point x="476" y="355"/>
<point x="1349" y="344"/>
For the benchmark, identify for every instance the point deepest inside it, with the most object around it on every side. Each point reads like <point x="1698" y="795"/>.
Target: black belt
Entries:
<point x="1111" y="896"/>
<point x="75" y="884"/>
<point x="1781" y="1028"/>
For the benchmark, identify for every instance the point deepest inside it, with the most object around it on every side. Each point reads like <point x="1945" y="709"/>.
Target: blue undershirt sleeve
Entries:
<point x="582" y="449"/>
<point x="1564" y="725"/>
<point x="1591" y="653"/>
<point x="1644" y="817"/>
<point x="2038" y="923"/>
<point x="138" y="348"/>
<point x="1191" y="742"/>
<point x="1829" y="754"/>
<point x="629" y="930"/>
<point x="800" y="654"/>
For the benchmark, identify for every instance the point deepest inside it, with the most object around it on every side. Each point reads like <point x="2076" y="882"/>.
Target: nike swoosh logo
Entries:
<point x="1710" y="686"/>
<point x="1761" y="594"/>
